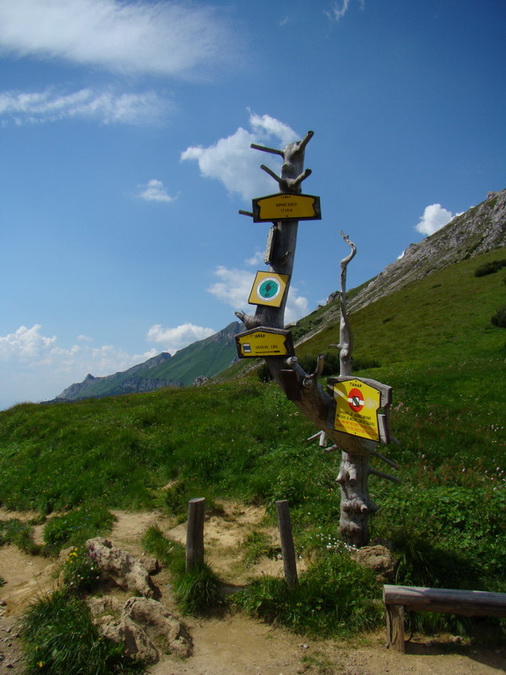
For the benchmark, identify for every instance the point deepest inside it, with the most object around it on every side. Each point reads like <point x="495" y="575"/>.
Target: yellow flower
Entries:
<point x="40" y="664"/>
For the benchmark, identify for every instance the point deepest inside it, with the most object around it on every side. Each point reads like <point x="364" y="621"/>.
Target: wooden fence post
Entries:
<point x="287" y="547"/>
<point x="195" y="534"/>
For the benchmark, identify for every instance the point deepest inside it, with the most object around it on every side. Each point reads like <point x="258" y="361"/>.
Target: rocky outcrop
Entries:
<point x="143" y="625"/>
<point x="123" y="569"/>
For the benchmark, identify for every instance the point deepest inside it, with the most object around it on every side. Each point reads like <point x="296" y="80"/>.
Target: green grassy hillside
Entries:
<point x="444" y="316"/>
<point x="435" y="345"/>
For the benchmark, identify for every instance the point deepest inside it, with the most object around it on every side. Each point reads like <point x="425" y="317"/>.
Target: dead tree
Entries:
<point x="304" y="388"/>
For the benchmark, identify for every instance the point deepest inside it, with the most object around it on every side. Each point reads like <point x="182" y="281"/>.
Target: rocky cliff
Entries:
<point x="478" y="230"/>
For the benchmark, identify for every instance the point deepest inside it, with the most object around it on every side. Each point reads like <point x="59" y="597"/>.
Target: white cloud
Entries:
<point x="106" y="106"/>
<point x="256" y="259"/>
<point x="173" y="339"/>
<point x="168" y="38"/>
<point x="340" y="8"/>
<point x="26" y="343"/>
<point x="434" y="218"/>
<point x="232" y="161"/>
<point x="234" y="286"/>
<point x="155" y="191"/>
<point x="35" y="367"/>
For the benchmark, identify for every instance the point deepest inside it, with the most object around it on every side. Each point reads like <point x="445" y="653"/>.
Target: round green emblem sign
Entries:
<point x="269" y="288"/>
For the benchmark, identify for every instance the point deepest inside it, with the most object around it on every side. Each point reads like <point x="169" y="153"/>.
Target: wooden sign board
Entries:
<point x="285" y="206"/>
<point x="268" y="289"/>
<point x="361" y="407"/>
<point x="263" y="341"/>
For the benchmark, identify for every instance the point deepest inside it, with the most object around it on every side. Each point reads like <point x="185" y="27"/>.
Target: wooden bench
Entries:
<point x="417" y="599"/>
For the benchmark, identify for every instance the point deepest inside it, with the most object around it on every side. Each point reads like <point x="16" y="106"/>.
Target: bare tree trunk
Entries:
<point x="303" y="388"/>
<point x="354" y="470"/>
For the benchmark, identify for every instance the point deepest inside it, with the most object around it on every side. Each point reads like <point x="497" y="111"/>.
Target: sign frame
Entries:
<point x="286" y="206"/>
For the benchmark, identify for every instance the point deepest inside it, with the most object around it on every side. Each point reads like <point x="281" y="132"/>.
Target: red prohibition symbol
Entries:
<point x="355" y="400"/>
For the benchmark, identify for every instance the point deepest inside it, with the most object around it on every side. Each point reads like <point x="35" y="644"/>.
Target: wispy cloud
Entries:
<point x="168" y="38"/>
<point x="232" y="161"/>
<point x="233" y="288"/>
<point x="434" y="218"/>
<point x="107" y="107"/>
<point x="173" y="339"/>
<point x="340" y="8"/>
<point x="155" y="191"/>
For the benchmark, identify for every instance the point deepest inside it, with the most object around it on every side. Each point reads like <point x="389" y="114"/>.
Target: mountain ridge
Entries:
<point x="198" y="361"/>
<point x="480" y="229"/>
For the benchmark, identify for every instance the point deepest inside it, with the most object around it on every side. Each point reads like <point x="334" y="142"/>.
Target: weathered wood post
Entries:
<point x="266" y="336"/>
<point x="287" y="546"/>
<point x="195" y="534"/>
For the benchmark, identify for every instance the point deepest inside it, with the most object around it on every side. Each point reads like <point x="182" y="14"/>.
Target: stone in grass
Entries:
<point x="124" y="569"/>
<point x="144" y="626"/>
<point x="379" y="559"/>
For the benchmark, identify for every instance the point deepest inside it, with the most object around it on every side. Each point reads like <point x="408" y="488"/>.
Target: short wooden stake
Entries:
<point x="287" y="547"/>
<point x="195" y="534"/>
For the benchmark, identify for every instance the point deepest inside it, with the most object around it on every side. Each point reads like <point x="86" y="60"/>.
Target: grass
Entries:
<point x="433" y="342"/>
<point x="197" y="591"/>
<point x="19" y="533"/>
<point x="59" y="637"/>
<point x="325" y="602"/>
<point x="75" y="527"/>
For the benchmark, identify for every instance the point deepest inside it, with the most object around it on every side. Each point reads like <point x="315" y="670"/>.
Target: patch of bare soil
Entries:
<point x="235" y="644"/>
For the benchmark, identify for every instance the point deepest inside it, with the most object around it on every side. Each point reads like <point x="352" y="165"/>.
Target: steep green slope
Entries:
<point x="446" y="315"/>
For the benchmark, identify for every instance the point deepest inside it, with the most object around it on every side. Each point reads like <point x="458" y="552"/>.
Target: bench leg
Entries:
<point x="395" y="627"/>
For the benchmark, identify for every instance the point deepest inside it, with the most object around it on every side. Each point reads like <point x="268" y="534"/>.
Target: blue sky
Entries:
<point x="124" y="159"/>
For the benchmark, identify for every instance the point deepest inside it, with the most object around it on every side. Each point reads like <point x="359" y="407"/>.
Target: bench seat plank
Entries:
<point x="448" y="600"/>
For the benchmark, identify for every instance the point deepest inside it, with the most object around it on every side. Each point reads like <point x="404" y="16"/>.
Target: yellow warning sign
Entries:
<point x="264" y="342"/>
<point x="286" y="207"/>
<point x="357" y="406"/>
<point x="268" y="289"/>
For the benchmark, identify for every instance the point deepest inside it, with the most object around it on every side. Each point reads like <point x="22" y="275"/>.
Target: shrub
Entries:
<point x="489" y="267"/>
<point x="80" y="572"/>
<point x="499" y="318"/>
<point x="60" y="637"/>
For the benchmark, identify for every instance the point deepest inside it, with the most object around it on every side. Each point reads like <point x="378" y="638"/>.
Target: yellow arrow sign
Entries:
<point x="286" y="207"/>
<point x="264" y="341"/>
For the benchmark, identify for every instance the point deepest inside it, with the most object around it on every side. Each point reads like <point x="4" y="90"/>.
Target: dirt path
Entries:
<point x="236" y="644"/>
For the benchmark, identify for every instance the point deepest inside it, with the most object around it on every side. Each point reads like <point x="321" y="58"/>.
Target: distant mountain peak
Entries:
<point x="202" y="359"/>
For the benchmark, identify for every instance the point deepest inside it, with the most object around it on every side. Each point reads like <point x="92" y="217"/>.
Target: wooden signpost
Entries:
<point x="353" y="412"/>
